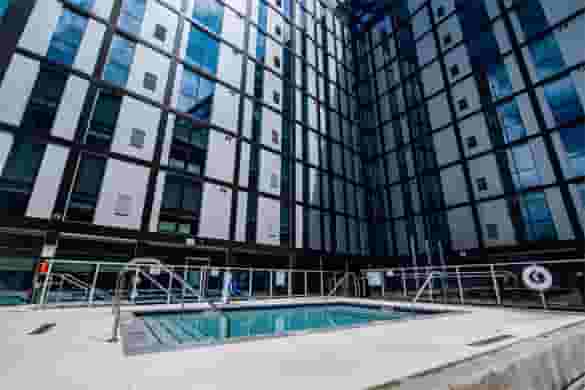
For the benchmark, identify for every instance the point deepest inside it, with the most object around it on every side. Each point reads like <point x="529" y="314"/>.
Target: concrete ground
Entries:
<point x="75" y="354"/>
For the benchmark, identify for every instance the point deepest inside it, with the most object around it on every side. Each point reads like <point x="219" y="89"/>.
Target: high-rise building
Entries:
<point x="289" y="133"/>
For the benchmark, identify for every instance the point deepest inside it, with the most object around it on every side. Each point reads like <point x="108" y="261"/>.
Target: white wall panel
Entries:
<point x="268" y="221"/>
<point x="87" y="54"/>
<point x="299" y="227"/>
<point x="46" y="188"/>
<point x="16" y="87"/>
<point x="220" y="156"/>
<point x="271" y="122"/>
<point x="475" y="127"/>
<point x="446" y="148"/>
<point x="121" y="178"/>
<point x="486" y="167"/>
<point x="233" y="28"/>
<point x="274" y="52"/>
<point x="299" y="182"/>
<point x="466" y="90"/>
<point x="225" y="108"/>
<point x="6" y="140"/>
<point x="245" y="164"/>
<point x="270" y="172"/>
<point x="496" y="213"/>
<point x="432" y="79"/>
<point x="463" y="234"/>
<point x="439" y="111"/>
<point x="157" y="201"/>
<point x="103" y="8"/>
<point x="272" y="85"/>
<point x="241" y="218"/>
<point x="136" y="115"/>
<point x="40" y="26"/>
<point x="454" y="188"/>
<point x="214" y="221"/>
<point x="247" y="125"/>
<point x="459" y="58"/>
<point x="450" y="27"/>
<point x="229" y="67"/>
<point x="70" y="107"/>
<point x="147" y="60"/>
<point x="166" y="150"/>
<point x="156" y="14"/>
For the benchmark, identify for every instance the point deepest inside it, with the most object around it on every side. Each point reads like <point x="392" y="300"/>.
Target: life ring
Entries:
<point x="537" y="278"/>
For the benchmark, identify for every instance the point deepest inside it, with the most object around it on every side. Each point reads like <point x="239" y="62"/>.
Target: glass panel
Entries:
<point x="67" y="38"/>
<point x="511" y="122"/>
<point x="202" y="50"/>
<point x="118" y="67"/>
<point x="196" y="97"/>
<point x="209" y="13"/>
<point x="280" y="283"/>
<point x="563" y="100"/>
<point x="131" y="15"/>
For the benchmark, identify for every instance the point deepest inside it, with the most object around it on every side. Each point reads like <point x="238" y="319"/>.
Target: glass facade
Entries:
<point x="279" y="126"/>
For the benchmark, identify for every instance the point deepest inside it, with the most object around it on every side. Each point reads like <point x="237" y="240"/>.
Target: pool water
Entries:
<point x="210" y="327"/>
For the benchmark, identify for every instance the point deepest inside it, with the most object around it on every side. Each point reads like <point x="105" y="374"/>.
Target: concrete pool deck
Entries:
<point x="75" y="354"/>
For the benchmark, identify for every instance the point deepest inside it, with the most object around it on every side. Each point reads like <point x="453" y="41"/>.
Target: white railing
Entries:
<point x="153" y="284"/>
<point x="498" y="283"/>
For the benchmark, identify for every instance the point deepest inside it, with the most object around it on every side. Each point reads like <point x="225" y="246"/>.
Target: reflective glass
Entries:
<point x="511" y="122"/>
<point x="202" y="50"/>
<point x="573" y="140"/>
<point x="131" y="15"/>
<point x="85" y="4"/>
<point x="118" y="67"/>
<point x="209" y="13"/>
<point x="547" y="57"/>
<point x="563" y="100"/>
<point x="196" y="97"/>
<point x="67" y="38"/>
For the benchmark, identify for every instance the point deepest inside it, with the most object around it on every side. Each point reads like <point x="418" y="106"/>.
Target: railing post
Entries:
<point x="431" y="294"/>
<point x="404" y="288"/>
<point x="93" y="284"/>
<point x="250" y="283"/>
<point x="543" y="299"/>
<point x="495" y="282"/>
<point x="270" y="282"/>
<point x="322" y="284"/>
<point x="44" y="292"/>
<point x="170" y="286"/>
<point x="383" y="283"/>
<point x="201" y="280"/>
<point x="460" y="286"/>
<point x="306" y="284"/>
<point x="290" y="282"/>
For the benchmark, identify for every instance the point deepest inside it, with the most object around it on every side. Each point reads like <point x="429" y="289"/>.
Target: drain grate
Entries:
<point x="490" y="340"/>
<point x="44" y="328"/>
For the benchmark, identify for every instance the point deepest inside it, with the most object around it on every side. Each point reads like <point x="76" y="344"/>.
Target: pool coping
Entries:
<point x="133" y="326"/>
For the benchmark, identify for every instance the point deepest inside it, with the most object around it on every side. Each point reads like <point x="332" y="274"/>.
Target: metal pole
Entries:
<point x="94" y="283"/>
<point x="322" y="284"/>
<point x="306" y="286"/>
<point x="289" y="283"/>
<point x="46" y="284"/>
<point x="430" y="271"/>
<point x="270" y="281"/>
<point x="543" y="299"/>
<point x="250" y="283"/>
<point x="170" y="286"/>
<point x="404" y="289"/>
<point x="495" y="282"/>
<point x="201" y="291"/>
<point x="413" y="256"/>
<point x="460" y="286"/>
<point x="383" y="283"/>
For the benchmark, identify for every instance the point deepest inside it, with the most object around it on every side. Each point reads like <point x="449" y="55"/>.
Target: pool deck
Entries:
<point x="75" y="354"/>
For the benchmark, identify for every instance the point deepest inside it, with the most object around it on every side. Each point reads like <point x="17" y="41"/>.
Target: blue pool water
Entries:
<point x="210" y="327"/>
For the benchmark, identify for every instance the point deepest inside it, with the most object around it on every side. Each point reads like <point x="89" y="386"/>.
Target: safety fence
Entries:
<point x="556" y="284"/>
<point x="78" y="282"/>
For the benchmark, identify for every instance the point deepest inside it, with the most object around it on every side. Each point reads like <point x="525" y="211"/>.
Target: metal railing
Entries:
<point x="493" y="284"/>
<point x="349" y="277"/>
<point x="152" y="284"/>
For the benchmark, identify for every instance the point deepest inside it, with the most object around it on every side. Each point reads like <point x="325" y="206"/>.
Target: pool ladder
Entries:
<point x="134" y="265"/>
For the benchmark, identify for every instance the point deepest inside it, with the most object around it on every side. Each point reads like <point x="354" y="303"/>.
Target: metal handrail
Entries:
<point x="135" y="265"/>
<point x="424" y="286"/>
<point x="343" y="280"/>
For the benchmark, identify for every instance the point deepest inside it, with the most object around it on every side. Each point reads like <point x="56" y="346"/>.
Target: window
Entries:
<point x="66" y="39"/>
<point x="277" y="62"/>
<point x="511" y="122"/>
<point x="150" y="81"/>
<point x="547" y="57"/>
<point x="131" y="15"/>
<point x="189" y="147"/>
<point x="123" y="205"/>
<point x="180" y="206"/>
<point x="209" y="13"/>
<point x="537" y="217"/>
<point x="196" y="96"/>
<point x="447" y="39"/>
<point x="563" y="100"/>
<point x="573" y="139"/>
<point x="160" y="33"/>
<point x="103" y="122"/>
<point x="86" y="188"/>
<point x="137" y="138"/>
<point x="18" y="177"/>
<point x="471" y="142"/>
<point x="85" y="4"/>
<point x="523" y="167"/>
<point x="454" y="70"/>
<point x="202" y="50"/>
<point x="463" y="105"/>
<point x="4" y="4"/>
<point x="492" y="231"/>
<point x="482" y="184"/>
<point x="499" y="81"/>
<point x="276" y="97"/>
<point x="44" y="101"/>
<point x="117" y="69"/>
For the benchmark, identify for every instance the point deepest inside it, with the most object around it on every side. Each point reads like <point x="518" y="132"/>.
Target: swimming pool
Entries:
<point x="167" y="330"/>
